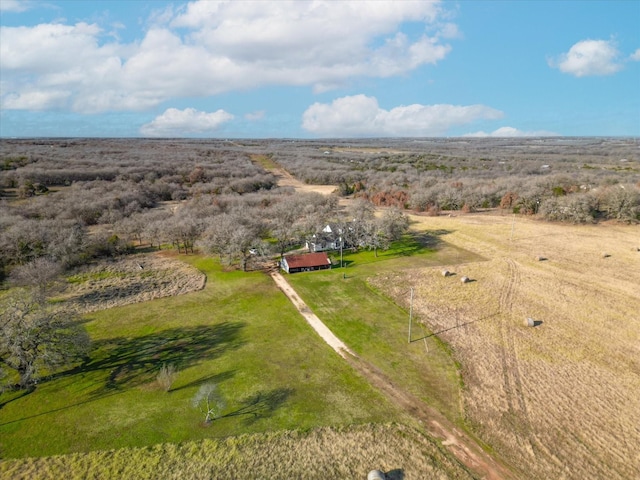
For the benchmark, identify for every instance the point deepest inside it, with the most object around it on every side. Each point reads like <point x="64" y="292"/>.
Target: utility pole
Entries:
<point x="410" y="314"/>
<point x="513" y="225"/>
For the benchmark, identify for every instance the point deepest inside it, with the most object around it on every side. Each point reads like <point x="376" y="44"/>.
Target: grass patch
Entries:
<point x="265" y="161"/>
<point x="240" y="332"/>
<point x="94" y="276"/>
<point x="377" y="328"/>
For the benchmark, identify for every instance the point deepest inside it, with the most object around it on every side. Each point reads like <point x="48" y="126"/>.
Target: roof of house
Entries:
<point x="307" y="260"/>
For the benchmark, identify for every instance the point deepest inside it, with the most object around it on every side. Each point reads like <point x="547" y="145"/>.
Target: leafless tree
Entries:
<point x="209" y="401"/>
<point x="35" y="337"/>
<point x="232" y="237"/>
<point x="38" y="273"/>
<point x="166" y="376"/>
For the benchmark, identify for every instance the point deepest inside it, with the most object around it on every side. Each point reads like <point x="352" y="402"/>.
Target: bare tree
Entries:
<point x="38" y="273"/>
<point x="209" y="401"/>
<point x="393" y="224"/>
<point x="35" y="337"/>
<point x="166" y="376"/>
<point x="232" y="237"/>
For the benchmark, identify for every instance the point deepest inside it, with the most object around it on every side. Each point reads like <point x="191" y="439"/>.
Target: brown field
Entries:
<point x="131" y="279"/>
<point x="562" y="399"/>
<point x="345" y="453"/>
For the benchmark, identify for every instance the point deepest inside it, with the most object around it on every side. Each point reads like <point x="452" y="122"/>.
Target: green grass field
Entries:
<point x="279" y="379"/>
<point x="239" y="332"/>
<point x="376" y="328"/>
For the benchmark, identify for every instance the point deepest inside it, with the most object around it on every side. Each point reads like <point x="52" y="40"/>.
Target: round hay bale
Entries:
<point x="445" y="273"/>
<point x="540" y="258"/>
<point x="376" y="475"/>
<point x="465" y="279"/>
<point x="529" y="322"/>
<point x="605" y="255"/>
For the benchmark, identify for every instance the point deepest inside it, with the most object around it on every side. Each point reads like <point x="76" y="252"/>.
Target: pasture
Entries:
<point x="559" y="400"/>
<point x="562" y="399"/>
<point x="239" y="332"/>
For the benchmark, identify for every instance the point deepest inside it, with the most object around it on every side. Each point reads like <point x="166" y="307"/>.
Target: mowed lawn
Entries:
<point x="240" y="333"/>
<point x="377" y="329"/>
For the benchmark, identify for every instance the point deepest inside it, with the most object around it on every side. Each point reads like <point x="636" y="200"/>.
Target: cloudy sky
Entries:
<point x="319" y="69"/>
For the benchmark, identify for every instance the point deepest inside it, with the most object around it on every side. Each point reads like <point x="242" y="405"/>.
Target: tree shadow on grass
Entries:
<point x="215" y="378"/>
<point x="427" y="240"/>
<point x="12" y="396"/>
<point x="414" y="243"/>
<point x="261" y="404"/>
<point x="135" y="361"/>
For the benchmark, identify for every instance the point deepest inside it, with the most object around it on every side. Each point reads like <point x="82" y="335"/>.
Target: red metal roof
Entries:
<point x="307" y="260"/>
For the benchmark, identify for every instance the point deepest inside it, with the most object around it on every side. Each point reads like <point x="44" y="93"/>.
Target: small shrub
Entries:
<point x="166" y="376"/>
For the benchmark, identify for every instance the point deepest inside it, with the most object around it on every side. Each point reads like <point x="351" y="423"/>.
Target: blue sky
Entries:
<point x="319" y="69"/>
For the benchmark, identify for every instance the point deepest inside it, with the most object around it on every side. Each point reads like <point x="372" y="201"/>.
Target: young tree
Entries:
<point x="209" y="401"/>
<point x="166" y="376"/>
<point x="35" y="337"/>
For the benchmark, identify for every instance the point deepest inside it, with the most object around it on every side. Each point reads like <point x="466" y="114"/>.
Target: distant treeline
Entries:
<point x="71" y="200"/>
<point x="564" y="179"/>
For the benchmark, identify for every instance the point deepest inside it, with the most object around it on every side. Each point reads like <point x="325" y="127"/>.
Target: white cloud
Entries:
<point x="187" y="122"/>
<point x="360" y="115"/>
<point x="207" y="48"/>
<point x="15" y="5"/>
<point x="36" y="100"/>
<point x="503" y="132"/>
<point x="589" y="58"/>
<point x="635" y="56"/>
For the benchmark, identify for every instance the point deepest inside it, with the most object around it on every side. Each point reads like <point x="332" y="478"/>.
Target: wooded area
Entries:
<point x="71" y="200"/>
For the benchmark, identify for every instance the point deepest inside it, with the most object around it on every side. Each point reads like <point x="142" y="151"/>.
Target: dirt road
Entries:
<point x="311" y="318"/>
<point x="463" y="447"/>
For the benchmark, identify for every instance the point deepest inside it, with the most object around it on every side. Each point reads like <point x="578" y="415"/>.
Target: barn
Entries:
<point x="305" y="262"/>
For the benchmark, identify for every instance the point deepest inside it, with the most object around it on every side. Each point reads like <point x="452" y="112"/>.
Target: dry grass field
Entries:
<point x="340" y="453"/>
<point x="561" y="399"/>
<point x="127" y="280"/>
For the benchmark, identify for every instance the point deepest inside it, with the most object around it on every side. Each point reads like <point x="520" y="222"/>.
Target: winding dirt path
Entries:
<point x="461" y="445"/>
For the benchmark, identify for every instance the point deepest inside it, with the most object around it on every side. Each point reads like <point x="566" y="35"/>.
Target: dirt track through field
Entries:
<point x="458" y="443"/>
<point x="311" y="318"/>
<point x="463" y="447"/>
<point x="560" y="399"/>
<point x="509" y="357"/>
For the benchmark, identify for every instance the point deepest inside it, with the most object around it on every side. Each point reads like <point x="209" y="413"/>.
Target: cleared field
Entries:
<point x="239" y="332"/>
<point x="127" y="280"/>
<point x="348" y="453"/>
<point x="561" y="399"/>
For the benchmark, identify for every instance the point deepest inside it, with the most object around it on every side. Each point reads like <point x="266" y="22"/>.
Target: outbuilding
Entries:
<point x="305" y="262"/>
